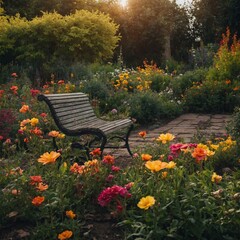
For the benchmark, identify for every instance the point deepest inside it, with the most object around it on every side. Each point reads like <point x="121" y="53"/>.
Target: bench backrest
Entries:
<point x="69" y="110"/>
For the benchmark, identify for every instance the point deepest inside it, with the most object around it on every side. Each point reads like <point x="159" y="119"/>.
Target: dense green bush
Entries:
<point x="181" y="83"/>
<point x="211" y="97"/>
<point x="54" y="40"/>
<point x="147" y="107"/>
<point x="160" y="82"/>
<point x="234" y="125"/>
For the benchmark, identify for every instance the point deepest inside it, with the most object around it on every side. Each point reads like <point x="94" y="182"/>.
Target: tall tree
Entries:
<point x="211" y="18"/>
<point x="150" y="27"/>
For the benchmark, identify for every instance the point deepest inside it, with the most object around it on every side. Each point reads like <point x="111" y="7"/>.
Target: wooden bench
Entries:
<point x="74" y="116"/>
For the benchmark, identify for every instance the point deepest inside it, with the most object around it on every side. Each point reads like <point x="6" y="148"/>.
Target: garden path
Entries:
<point x="185" y="128"/>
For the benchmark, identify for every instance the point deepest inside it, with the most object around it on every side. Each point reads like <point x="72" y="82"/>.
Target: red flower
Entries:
<point x="34" y="92"/>
<point x="96" y="152"/>
<point x="14" y="75"/>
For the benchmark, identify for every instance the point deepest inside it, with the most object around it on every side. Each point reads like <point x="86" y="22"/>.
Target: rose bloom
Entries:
<point x="70" y="214"/>
<point x="96" y="152"/>
<point x="24" y="109"/>
<point x="115" y="169"/>
<point x="146" y="157"/>
<point x="156" y="166"/>
<point x="42" y="187"/>
<point x="216" y="178"/>
<point x="49" y="157"/>
<point x="34" y="122"/>
<point x="164" y="138"/>
<point x="16" y="192"/>
<point x="108" y="159"/>
<point x="65" y="235"/>
<point x="53" y="134"/>
<point x="1" y="137"/>
<point x="146" y="202"/>
<point x="142" y="134"/>
<point x="37" y="201"/>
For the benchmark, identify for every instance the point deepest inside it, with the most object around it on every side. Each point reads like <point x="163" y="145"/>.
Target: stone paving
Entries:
<point x="185" y="128"/>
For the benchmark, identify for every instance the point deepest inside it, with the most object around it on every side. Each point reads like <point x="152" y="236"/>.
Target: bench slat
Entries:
<point x="76" y="107"/>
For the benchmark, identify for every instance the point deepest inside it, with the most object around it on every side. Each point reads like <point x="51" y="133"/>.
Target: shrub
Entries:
<point x="211" y="97"/>
<point x="234" y="125"/>
<point x="148" y="107"/>
<point x="227" y="60"/>
<point x="181" y="83"/>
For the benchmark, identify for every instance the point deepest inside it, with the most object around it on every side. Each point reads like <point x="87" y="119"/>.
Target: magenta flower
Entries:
<point x="111" y="193"/>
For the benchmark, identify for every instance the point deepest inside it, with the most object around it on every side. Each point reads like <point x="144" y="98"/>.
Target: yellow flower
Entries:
<point x="216" y="178"/>
<point x="164" y="174"/>
<point x="164" y="138"/>
<point x="171" y="164"/>
<point x="156" y="166"/>
<point x="214" y="146"/>
<point x="34" y="122"/>
<point x="48" y="157"/>
<point x="70" y="214"/>
<point x="65" y="235"/>
<point x="146" y="202"/>
<point x="146" y="157"/>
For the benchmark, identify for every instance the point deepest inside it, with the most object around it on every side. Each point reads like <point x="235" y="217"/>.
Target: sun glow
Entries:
<point x="123" y="2"/>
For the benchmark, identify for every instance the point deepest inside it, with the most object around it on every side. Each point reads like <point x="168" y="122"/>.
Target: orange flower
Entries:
<point x="48" y="157"/>
<point x="75" y="168"/>
<point x="42" y="187"/>
<point x="24" y="109"/>
<point x="216" y="178"/>
<point x="96" y="152"/>
<point x="236" y="88"/>
<point x="156" y="166"/>
<point x="14" y="89"/>
<point x="70" y="214"/>
<point x="37" y="131"/>
<point x="35" y="179"/>
<point x="108" y="159"/>
<point x="1" y="93"/>
<point x="24" y="122"/>
<point x="142" y="134"/>
<point x="199" y="154"/>
<point x="37" y="201"/>
<point x="146" y="157"/>
<point x="228" y="81"/>
<point x="53" y="134"/>
<point x="65" y="235"/>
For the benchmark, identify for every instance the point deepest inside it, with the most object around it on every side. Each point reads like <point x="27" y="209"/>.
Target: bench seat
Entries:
<point x="74" y="116"/>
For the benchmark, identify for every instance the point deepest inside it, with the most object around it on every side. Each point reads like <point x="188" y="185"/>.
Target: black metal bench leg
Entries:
<point x="126" y="140"/>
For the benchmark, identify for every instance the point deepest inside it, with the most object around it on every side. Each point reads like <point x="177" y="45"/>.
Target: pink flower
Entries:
<point x="14" y="75"/>
<point x="109" y="178"/>
<point x="111" y="193"/>
<point x="116" y="169"/>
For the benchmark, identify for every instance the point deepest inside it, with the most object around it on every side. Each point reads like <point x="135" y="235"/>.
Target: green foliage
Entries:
<point x="147" y="107"/>
<point x="211" y="97"/>
<point x="160" y="82"/>
<point x="181" y="83"/>
<point x="227" y="60"/>
<point x="234" y="125"/>
<point x="53" y="39"/>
